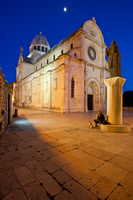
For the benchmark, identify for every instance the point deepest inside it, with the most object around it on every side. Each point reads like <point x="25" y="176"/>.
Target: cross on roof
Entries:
<point x="21" y="49"/>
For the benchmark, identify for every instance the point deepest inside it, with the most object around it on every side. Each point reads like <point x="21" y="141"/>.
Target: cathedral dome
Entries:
<point x="39" y="43"/>
<point x="40" y="39"/>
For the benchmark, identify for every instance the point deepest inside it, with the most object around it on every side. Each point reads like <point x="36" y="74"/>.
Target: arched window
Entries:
<point x="46" y="49"/>
<point x="72" y="88"/>
<point x="42" y="49"/>
<point x="71" y="45"/>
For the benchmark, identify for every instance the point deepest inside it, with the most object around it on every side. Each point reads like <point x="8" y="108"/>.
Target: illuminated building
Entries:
<point x="66" y="78"/>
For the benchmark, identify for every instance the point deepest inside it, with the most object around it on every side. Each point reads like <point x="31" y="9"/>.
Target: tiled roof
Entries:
<point x="60" y="43"/>
<point x="26" y="59"/>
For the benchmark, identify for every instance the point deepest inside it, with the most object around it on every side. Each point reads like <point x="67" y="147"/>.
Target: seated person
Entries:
<point x="100" y="119"/>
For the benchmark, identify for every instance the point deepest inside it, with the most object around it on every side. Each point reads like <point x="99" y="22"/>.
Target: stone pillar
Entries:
<point x="114" y="99"/>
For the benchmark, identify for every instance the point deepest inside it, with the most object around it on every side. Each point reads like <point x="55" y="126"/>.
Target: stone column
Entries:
<point x="114" y="99"/>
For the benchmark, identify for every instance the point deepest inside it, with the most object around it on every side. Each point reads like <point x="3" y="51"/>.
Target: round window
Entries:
<point x="91" y="53"/>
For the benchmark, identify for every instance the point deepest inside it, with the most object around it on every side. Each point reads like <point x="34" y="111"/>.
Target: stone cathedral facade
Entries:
<point x="66" y="78"/>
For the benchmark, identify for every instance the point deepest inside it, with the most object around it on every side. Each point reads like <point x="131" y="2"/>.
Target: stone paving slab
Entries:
<point x="92" y="162"/>
<point x="64" y="195"/>
<point x="103" y="188"/>
<point x="73" y="171"/>
<point x="120" y="193"/>
<point x="24" y="175"/>
<point x="113" y="172"/>
<point x="99" y="153"/>
<point x="49" y="166"/>
<point x="61" y="176"/>
<point x="90" y="179"/>
<point x="51" y="186"/>
<point x="123" y="163"/>
<point x="61" y="160"/>
<point x="78" y="191"/>
<point x="34" y="166"/>
<point x="8" y="184"/>
<point x="127" y="182"/>
<point x="35" y="191"/>
<point x="127" y="153"/>
<point x="55" y="156"/>
<point x="18" y="194"/>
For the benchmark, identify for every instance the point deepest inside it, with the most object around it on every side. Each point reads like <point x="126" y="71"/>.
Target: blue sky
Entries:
<point x="21" y="21"/>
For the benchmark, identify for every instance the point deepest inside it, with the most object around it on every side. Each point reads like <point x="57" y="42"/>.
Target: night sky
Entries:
<point x="21" y="21"/>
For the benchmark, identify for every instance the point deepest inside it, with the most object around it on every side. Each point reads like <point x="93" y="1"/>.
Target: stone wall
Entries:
<point x="4" y="92"/>
<point x="128" y="108"/>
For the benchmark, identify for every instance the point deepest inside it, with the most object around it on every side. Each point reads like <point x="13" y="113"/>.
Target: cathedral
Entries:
<point x="66" y="78"/>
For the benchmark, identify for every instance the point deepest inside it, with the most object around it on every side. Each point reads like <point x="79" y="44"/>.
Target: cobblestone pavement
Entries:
<point x="46" y="155"/>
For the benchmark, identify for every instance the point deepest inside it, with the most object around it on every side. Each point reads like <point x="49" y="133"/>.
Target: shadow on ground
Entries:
<point x="53" y="156"/>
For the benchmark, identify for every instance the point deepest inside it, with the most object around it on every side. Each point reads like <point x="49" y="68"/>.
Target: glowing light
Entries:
<point x="22" y="122"/>
<point x="65" y="9"/>
<point x="13" y="98"/>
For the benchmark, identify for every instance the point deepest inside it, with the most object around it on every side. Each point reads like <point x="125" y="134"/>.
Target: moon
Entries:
<point x="65" y="9"/>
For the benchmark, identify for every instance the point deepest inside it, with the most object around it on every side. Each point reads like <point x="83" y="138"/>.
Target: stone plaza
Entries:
<point x="47" y="155"/>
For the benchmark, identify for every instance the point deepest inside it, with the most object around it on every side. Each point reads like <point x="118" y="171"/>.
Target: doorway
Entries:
<point x="90" y="102"/>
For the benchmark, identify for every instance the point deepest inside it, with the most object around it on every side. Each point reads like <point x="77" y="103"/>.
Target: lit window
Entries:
<point x="53" y="57"/>
<point x="43" y="49"/>
<point x="72" y="46"/>
<point x="72" y="87"/>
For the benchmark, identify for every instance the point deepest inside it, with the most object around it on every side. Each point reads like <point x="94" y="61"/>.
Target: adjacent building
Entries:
<point x="66" y="78"/>
<point x="5" y="104"/>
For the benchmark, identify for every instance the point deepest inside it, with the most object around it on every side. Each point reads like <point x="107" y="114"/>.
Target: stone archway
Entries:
<point x="93" y="94"/>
